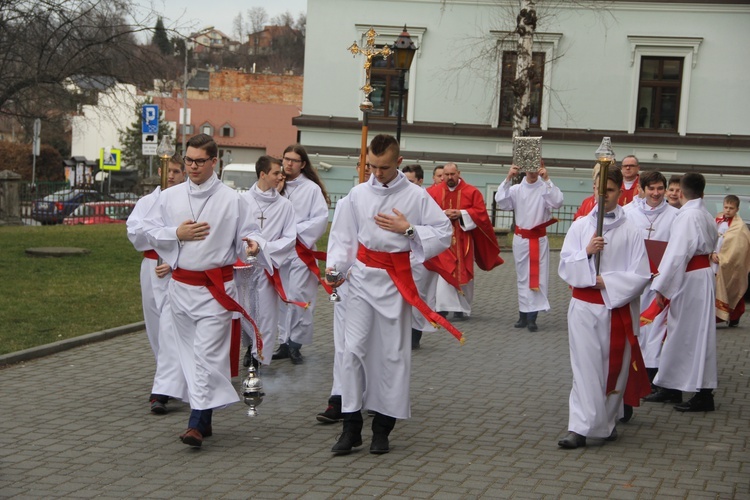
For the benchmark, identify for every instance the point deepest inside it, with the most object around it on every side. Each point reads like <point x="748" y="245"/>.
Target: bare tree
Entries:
<point x="238" y="28"/>
<point x="285" y="19"/>
<point x="257" y="18"/>
<point x="45" y="43"/>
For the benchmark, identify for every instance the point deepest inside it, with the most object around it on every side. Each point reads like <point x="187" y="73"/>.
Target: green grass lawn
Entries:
<point x="45" y="299"/>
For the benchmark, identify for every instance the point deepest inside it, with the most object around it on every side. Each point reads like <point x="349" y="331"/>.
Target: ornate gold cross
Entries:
<point x="369" y="51"/>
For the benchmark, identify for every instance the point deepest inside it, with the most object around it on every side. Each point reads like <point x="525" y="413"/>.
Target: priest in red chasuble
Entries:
<point x="473" y="239"/>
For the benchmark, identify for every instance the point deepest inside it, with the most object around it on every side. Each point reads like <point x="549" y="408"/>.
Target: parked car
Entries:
<point x="239" y="176"/>
<point x="53" y="208"/>
<point x="100" y="212"/>
<point x="125" y="196"/>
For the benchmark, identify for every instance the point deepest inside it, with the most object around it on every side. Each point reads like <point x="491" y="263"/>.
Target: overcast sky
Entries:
<point x="191" y="15"/>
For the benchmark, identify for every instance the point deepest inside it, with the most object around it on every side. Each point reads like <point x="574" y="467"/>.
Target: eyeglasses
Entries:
<point x="198" y="161"/>
<point x="291" y="160"/>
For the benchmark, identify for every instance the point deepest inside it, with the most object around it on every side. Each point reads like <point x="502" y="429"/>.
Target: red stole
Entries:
<point x="213" y="280"/>
<point x="533" y="236"/>
<point x="621" y="331"/>
<point x="399" y="269"/>
<point x="628" y="194"/>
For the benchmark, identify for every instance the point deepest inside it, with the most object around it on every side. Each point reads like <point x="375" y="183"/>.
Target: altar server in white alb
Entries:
<point x="653" y="216"/>
<point x="688" y="358"/>
<point x="603" y="319"/>
<point x="370" y="242"/>
<point x="532" y="201"/>
<point x="301" y="275"/>
<point x="200" y="228"/>
<point x="168" y="378"/>
<point x="275" y="215"/>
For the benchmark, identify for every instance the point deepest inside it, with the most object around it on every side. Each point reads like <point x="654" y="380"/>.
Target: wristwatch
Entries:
<point x="409" y="233"/>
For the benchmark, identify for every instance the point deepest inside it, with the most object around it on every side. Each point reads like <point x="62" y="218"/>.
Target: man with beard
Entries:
<point x="473" y="238"/>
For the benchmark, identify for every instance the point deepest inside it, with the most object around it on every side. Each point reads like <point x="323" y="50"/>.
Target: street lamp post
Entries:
<point x="404" y="50"/>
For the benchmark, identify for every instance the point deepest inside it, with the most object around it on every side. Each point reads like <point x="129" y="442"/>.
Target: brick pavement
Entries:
<point x="486" y="420"/>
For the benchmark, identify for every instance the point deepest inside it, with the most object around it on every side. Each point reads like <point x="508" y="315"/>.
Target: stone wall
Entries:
<point x="256" y="87"/>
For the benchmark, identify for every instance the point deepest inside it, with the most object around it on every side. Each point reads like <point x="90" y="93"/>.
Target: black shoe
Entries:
<point x="699" y="402"/>
<point x="282" y="352"/>
<point x="379" y="445"/>
<point x="532" y="326"/>
<point x="613" y="435"/>
<point x="733" y="323"/>
<point x="158" y="407"/>
<point x="296" y="356"/>
<point x="572" y="441"/>
<point x="627" y="414"/>
<point x="664" y="396"/>
<point x="416" y="337"/>
<point x="347" y="441"/>
<point x="521" y="323"/>
<point x="332" y="415"/>
<point x="443" y="313"/>
<point x="459" y="316"/>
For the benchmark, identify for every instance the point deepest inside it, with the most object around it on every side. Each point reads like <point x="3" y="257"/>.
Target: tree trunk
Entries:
<point x="525" y="27"/>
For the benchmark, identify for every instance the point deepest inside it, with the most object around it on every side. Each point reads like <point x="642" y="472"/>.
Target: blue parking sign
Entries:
<point x="150" y="119"/>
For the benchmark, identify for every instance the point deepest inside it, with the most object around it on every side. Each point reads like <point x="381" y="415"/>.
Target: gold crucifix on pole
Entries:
<point x="369" y="51"/>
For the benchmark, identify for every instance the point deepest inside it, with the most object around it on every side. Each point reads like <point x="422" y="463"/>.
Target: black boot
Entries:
<point x="351" y="436"/>
<point x="282" y="352"/>
<point x="531" y="321"/>
<point x="663" y="395"/>
<point x="382" y="425"/>
<point x="295" y="354"/>
<point x="521" y="323"/>
<point x="651" y="372"/>
<point x="416" y="336"/>
<point x="702" y="401"/>
<point x="333" y="412"/>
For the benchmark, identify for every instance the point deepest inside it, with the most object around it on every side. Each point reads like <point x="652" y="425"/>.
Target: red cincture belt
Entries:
<point x="653" y="310"/>
<point x="399" y="269"/>
<point x="310" y="258"/>
<point x="213" y="280"/>
<point x="621" y="331"/>
<point x="151" y="254"/>
<point x="533" y="236"/>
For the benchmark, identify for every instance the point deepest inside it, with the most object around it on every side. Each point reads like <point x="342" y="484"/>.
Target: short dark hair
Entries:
<point x="734" y="200"/>
<point x="177" y="159"/>
<point x="692" y="185"/>
<point x="382" y="143"/>
<point x="263" y="164"/>
<point x="204" y="142"/>
<point x="615" y="175"/>
<point x="439" y="167"/>
<point x="631" y="156"/>
<point x="652" y="177"/>
<point x="675" y="179"/>
<point x="416" y="169"/>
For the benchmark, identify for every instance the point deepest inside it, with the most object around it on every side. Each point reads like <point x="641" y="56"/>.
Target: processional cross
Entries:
<point x="369" y="51"/>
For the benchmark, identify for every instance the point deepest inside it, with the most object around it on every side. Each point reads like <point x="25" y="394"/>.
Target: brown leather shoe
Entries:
<point x="192" y="437"/>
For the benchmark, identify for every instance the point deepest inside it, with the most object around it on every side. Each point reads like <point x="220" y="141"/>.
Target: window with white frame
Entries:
<point x="207" y="129"/>
<point x="662" y="67"/>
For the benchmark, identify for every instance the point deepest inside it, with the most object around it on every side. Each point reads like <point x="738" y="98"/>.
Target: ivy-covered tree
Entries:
<point x="132" y="141"/>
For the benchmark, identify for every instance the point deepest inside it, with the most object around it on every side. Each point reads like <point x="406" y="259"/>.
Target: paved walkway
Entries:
<point x="486" y="420"/>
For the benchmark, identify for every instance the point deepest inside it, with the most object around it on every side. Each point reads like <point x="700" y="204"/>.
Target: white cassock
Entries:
<point x="688" y="357"/>
<point x="655" y="224"/>
<point x="376" y="362"/>
<point x="625" y="271"/>
<point x="157" y="313"/>
<point x="275" y="215"/>
<point x="339" y="314"/>
<point x="427" y="283"/>
<point x="311" y="215"/>
<point x="533" y="205"/>
<point x="202" y="324"/>
<point x="447" y="297"/>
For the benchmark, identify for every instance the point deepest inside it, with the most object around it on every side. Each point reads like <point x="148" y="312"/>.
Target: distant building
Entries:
<point x="210" y="39"/>
<point x="262" y="42"/>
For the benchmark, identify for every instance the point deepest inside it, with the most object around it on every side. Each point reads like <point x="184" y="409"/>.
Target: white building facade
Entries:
<point x="667" y="81"/>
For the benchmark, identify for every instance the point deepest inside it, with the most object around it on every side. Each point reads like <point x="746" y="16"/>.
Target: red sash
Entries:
<point x="653" y="310"/>
<point x="151" y="254"/>
<point x="213" y="280"/>
<point x="275" y="280"/>
<point x="310" y="258"/>
<point x="399" y="269"/>
<point x="621" y="331"/>
<point x="533" y="236"/>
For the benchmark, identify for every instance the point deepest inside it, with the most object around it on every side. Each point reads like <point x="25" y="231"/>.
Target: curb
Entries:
<point x="64" y="345"/>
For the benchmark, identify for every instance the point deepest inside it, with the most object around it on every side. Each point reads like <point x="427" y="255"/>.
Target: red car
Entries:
<point x="101" y="212"/>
